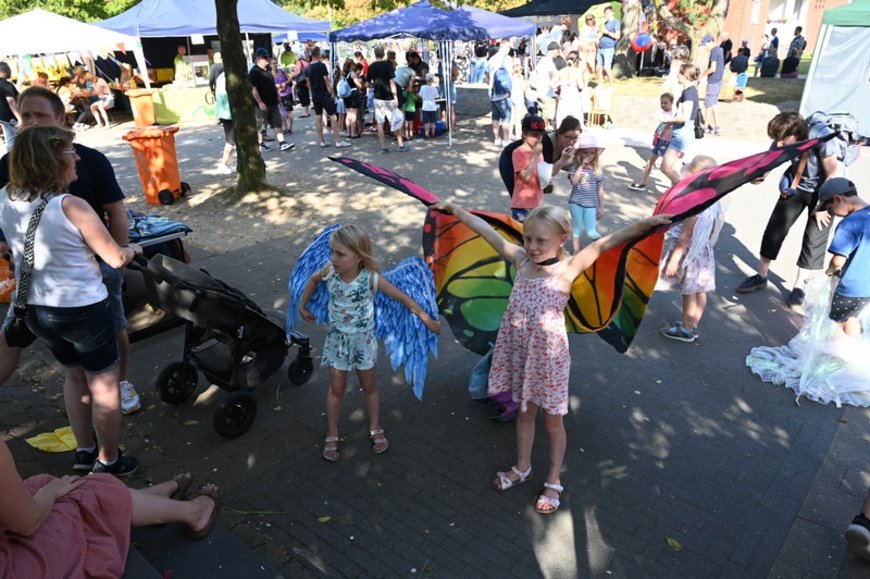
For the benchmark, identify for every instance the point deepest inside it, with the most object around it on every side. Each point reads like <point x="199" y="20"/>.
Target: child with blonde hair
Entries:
<point x="352" y="279"/>
<point x="689" y="264"/>
<point x="531" y="357"/>
<point x="587" y="190"/>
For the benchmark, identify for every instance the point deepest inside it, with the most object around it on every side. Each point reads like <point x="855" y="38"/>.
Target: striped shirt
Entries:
<point x="585" y="192"/>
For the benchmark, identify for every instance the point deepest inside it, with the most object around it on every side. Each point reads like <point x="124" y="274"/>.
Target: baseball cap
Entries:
<point x="261" y="53"/>
<point x="834" y="186"/>
<point x="553" y="46"/>
<point x="707" y="38"/>
<point x="534" y="124"/>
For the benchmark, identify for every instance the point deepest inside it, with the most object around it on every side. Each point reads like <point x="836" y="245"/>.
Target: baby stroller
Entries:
<point x="232" y="341"/>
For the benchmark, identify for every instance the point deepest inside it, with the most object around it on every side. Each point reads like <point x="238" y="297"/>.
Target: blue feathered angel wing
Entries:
<point x="313" y="259"/>
<point x="406" y="340"/>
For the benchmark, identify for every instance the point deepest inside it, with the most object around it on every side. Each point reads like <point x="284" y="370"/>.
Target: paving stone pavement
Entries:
<point x="680" y="461"/>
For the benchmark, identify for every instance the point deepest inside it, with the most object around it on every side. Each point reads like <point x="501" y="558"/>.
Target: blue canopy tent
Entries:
<point x="422" y="20"/>
<point x="156" y="18"/>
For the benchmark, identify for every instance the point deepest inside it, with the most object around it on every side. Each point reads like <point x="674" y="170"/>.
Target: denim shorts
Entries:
<point x="659" y="146"/>
<point x="501" y="110"/>
<point x="711" y="97"/>
<point x="683" y="138"/>
<point x="113" y="279"/>
<point x="430" y="117"/>
<point x="83" y="336"/>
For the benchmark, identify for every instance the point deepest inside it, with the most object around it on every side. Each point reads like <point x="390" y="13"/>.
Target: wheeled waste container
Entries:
<point x="154" y="149"/>
<point x="142" y="105"/>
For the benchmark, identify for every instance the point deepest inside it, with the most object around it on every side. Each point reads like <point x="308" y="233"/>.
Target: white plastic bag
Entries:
<point x="545" y="173"/>
<point x="397" y="119"/>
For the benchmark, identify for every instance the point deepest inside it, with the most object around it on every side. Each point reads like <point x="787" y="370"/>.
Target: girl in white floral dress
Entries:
<point x="351" y="280"/>
<point x="531" y="357"/>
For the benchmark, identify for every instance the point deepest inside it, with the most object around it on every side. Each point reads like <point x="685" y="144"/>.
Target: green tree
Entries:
<point x="82" y="10"/>
<point x="251" y="168"/>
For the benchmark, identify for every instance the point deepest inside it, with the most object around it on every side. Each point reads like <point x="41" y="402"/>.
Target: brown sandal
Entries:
<point x="184" y="482"/>
<point x="380" y="444"/>
<point x="330" y="449"/>
<point x="211" y="491"/>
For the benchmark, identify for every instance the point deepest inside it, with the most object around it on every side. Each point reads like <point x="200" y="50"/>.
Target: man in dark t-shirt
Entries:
<point x="266" y="95"/>
<point x="382" y="77"/>
<point x="323" y="98"/>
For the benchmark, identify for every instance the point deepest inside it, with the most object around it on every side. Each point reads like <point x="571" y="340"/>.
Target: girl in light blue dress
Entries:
<point x="352" y="278"/>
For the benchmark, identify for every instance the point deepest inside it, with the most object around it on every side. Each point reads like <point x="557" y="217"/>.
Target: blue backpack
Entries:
<point x="501" y="84"/>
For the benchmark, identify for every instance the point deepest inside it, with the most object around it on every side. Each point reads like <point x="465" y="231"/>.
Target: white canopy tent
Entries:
<point x="42" y="32"/>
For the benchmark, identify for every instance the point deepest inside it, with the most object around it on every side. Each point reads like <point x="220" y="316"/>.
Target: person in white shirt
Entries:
<point x="429" y="92"/>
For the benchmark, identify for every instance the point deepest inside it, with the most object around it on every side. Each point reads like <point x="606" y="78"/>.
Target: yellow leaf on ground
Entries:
<point x="674" y="544"/>
<point x="325" y="519"/>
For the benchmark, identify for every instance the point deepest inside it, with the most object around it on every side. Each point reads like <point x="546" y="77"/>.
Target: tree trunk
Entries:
<point x="624" y="56"/>
<point x="251" y="168"/>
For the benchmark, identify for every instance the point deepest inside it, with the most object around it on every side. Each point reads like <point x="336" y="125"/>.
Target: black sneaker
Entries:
<point x="85" y="460"/>
<point x="124" y="466"/>
<point x="796" y="299"/>
<point x="858" y="537"/>
<point x="265" y="147"/>
<point x="752" y="284"/>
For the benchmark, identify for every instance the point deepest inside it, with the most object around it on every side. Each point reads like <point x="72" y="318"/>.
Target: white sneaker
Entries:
<point x="224" y="169"/>
<point x="129" y="398"/>
<point x="342" y="144"/>
<point x="498" y="143"/>
<point x="342" y="133"/>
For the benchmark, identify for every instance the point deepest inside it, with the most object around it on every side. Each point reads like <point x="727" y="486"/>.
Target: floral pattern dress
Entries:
<point x="531" y="357"/>
<point x="350" y="341"/>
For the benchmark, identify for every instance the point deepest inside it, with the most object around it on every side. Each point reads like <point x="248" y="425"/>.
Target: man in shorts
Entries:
<point x="851" y="252"/>
<point x="382" y="77"/>
<point x="266" y="96"/>
<point x="610" y="32"/>
<point x="715" y="74"/>
<point x="500" y="102"/>
<point x="96" y="184"/>
<point x="545" y="93"/>
<point x="323" y="98"/>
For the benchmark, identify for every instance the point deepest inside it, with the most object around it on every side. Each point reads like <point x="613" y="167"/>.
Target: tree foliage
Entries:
<point x="81" y="10"/>
<point x="343" y="13"/>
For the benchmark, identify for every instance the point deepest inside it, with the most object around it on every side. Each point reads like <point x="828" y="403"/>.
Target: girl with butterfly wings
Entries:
<point x="531" y="357"/>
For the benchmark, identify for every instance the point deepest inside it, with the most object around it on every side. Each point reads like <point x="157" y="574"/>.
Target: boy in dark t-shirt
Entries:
<point x="266" y="95"/>
<point x="323" y="98"/>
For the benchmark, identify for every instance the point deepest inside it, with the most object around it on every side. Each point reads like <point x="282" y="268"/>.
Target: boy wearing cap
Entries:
<point x="528" y="193"/>
<point x="715" y="74"/>
<point x="851" y="252"/>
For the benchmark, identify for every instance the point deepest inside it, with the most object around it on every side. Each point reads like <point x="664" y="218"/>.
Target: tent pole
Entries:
<point x="248" y="49"/>
<point x="447" y="67"/>
<point x="140" y="58"/>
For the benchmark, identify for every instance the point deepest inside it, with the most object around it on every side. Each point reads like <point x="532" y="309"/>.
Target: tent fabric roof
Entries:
<point x="422" y="20"/>
<point x="855" y="14"/>
<point x="551" y="8"/>
<point x="156" y="18"/>
<point x="39" y="31"/>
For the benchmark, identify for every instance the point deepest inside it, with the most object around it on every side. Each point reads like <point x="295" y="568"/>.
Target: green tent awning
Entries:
<point x="855" y="14"/>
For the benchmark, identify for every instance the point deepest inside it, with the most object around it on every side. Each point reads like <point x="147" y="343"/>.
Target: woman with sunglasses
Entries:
<point x="67" y="302"/>
<point x="589" y="44"/>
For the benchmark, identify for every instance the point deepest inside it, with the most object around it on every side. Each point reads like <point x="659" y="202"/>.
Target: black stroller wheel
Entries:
<point x="176" y="383"/>
<point x="300" y="371"/>
<point x="235" y="414"/>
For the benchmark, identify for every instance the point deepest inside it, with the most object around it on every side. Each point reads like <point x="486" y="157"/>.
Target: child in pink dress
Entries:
<point x="531" y="357"/>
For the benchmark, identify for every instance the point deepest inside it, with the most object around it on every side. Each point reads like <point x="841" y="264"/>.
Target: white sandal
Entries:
<point x="551" y="501"/>
<point x="504" y="483"/>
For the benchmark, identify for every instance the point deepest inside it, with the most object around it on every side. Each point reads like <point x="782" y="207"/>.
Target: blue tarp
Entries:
<point x="422" y="20"/>
<point x="160" y="18"/>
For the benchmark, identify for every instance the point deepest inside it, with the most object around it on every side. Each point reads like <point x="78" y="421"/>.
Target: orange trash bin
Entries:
<point x="142" y="105"/>
<point x="154" y="150"/>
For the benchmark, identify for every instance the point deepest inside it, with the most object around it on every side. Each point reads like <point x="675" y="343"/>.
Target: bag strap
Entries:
<point x="27" y="262"/>
<point x="799" y="172"/>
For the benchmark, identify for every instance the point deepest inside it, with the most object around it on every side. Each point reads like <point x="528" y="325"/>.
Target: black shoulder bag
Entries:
<point x="17" y="334"/>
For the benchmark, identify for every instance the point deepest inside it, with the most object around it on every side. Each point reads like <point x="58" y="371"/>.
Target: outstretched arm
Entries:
<point x="310" y="286"/>
<point x="503" y="247"/>
<point x="579" y="262"/>
<point x="389" y="289"/>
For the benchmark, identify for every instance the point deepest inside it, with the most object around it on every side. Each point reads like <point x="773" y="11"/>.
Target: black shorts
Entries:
<point x="287" y="101"/>
<point x="271" y="117"/>
<point x="229" y="132"/>
<point x="327" y="105"/>
<point x="844" y="307"/>
<point x="302" y="94"/>
<point x="410" y="116"/>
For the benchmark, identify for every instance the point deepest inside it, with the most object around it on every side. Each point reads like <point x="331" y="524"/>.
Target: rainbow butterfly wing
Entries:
<point x="472" y="281"/>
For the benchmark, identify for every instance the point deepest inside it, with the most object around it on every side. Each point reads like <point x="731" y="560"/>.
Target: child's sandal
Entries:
<point x="380" y="444"/>
<point x="551" y="503"/>
<point x="330" y="449"/>
<point x="503" y="483"/>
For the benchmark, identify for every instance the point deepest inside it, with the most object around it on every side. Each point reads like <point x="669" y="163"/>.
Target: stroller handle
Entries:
<point x="138" y="263"/>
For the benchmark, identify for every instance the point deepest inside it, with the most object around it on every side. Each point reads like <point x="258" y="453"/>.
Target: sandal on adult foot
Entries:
<point x="183" y="480"/>
<point x="211" y="491"/>
<point x="380" y="444"/>
<point x="503" y="483"/>
<point x="547" y="505"/>
<point x="330" y="449"/>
